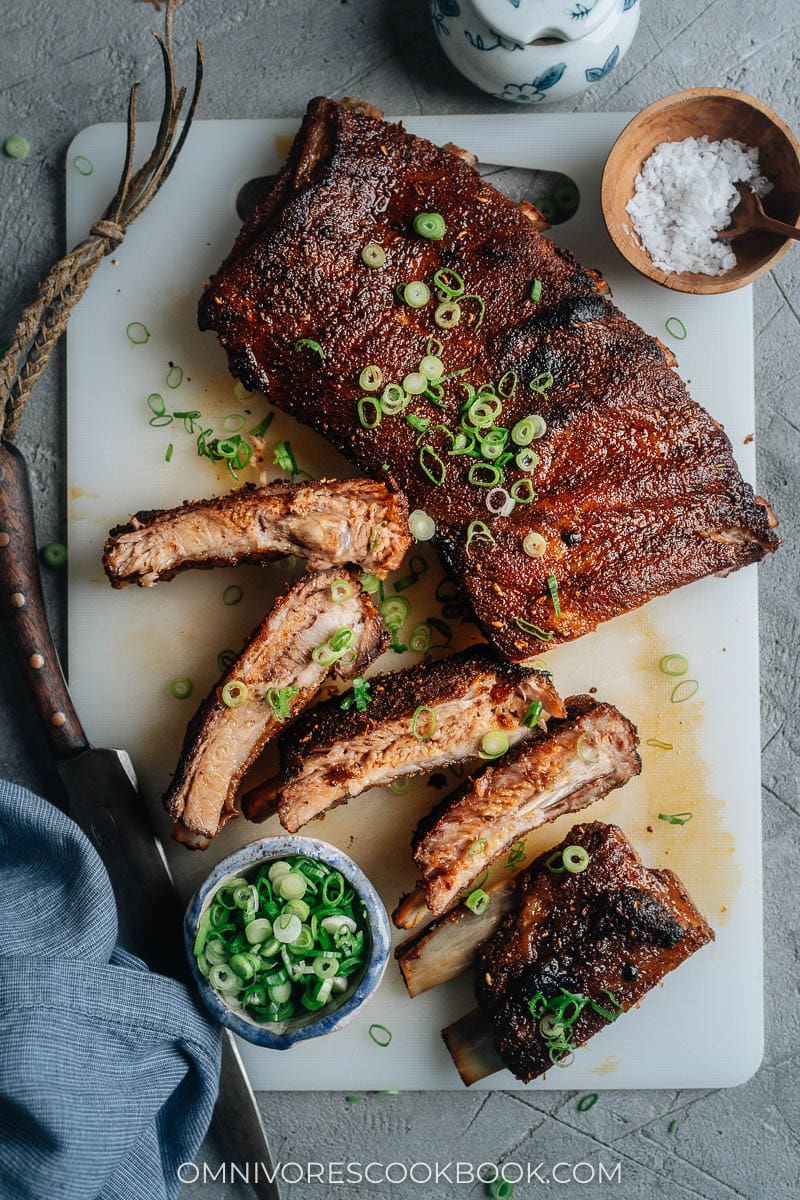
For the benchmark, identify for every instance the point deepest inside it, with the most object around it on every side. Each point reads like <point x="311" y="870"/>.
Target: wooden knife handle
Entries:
<point x="22" y="611"/>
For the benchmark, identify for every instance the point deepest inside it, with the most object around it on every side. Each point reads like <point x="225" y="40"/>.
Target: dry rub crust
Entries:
<point x="637" y="489"/>
<point x="615" y="927"/>
<point x="328" y="522"/>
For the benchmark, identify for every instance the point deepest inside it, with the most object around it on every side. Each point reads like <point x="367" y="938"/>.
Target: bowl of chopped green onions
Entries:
<point x="287" y="939"/>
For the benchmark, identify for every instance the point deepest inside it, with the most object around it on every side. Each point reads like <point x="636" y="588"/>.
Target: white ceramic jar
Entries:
<point x="532" y="51"/>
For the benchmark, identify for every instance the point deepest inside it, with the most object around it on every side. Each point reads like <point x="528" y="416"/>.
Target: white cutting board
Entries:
<point x="703" y="1027"/>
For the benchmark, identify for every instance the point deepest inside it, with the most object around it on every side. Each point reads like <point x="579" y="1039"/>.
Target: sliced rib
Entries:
<point x="331" y="756"/>
<point x="575" y="762"/>
<point x="328" y="522"/>
<point x="608" y="933"/>
<point x="221" y="743"/>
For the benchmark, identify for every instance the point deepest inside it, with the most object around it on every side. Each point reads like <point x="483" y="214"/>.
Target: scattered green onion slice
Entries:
<point x="534" y="544"/>
<point x="507" y="389"/>
<point x="370" y="378"/>
<point x="676" y="818"/>
<point x="233" y="422"/>
<point x="420" y="639"/>
<point x="532" y="714"/>
<point x="555" y="863"/>
<point x="675" y="328"/>
<point x="232" y="595"/>
<point x="54" y="554"/>
<point x="536" y="291"/>
<point x="17" y="146"/>
<point x="415" y="383"/>
<point x="380" y="1035"/>
<point x="575" y="859"/>
<point x="234" y="693"/>
<point x="341" y="590"/>
<point x="500" y="1189"/>
<point x="478" y="901"/>
<point x="431" y="367"/>
<point x="430" y="225"/>
<point x="421" y="526"/>
<point x="174" y="378"/>
<point x="369" y="412"/>
<point x="359" y="695"/>
<point x="673" y="1125"/>
<point x="370" y="584"/>
<point x="485" y="474"/>
<point x="83" y="165"/>
<point x="225" y="660"/>
<point x="673" y="664"/>
<point x="373" y="255"/>
<point x="522" y="491"/>
<point x="395" y="611"/>
<point x="552" y="587"/>
<point x="416" y="293"/>
<point x="684" y="691"/>
<point x="432" y="465"/>
<point x="494" y="744"/>
<point x="283" y="457"/>
<point x="479" y="846"/>
<point x="137" y="333"/>
<point x="658" y="744"/>
<point x="541" y="383"/>
<point x="527" y="459"/>
<point x="309" y="344"/>
<point x="168" y="455"/>
<point x="426" y="716"/>
<point x="400" y="787"/>
<point x="449" y="281"/>
<point x="393" y="400"/>
<point x="478" y="531"/>
<point x="181" y="688"/>
<point x="447" y="314"/>
<point x="544" y="635"/>
<point x="587" y="1102"/>
<point x="515" y="855"/>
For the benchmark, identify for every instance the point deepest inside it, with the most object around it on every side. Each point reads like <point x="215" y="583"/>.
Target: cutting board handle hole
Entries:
<point x="554" y="194"/>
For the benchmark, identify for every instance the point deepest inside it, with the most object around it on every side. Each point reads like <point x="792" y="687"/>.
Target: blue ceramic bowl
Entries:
<point x="281" y="1036"/>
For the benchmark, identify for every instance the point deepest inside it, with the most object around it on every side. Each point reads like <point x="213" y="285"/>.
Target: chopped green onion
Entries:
<point x="174" y="377"/>
<point x="481" y="307"/>
<point x="418" y="566"/>
<point x="83" y="165"/>
<point x="437" y="470"/>
<point x="494" y="744"/>
<point x="575" y="859"/>
<point x="341" y="590"/>
<point x="431" y="367"/>
<point x="400" y="787"/>
<point x="279" y="700"/>
<point x="507" y="389"/>
<point x="241" y="393"/>
<point x="232" y="595"/>
<point x="360" y="695"/>
<point x="522" y="491"/>
<point x="283" y="457"/>
<point x="587" y="1102"/>
<point x="330" y="651"/>
<point x="676" y="818"/>
<point x="373" y="255"/>
<point x="430" y="225"/>
<point x="684" y="691"/>
<point x="17" y="146"/>
<point x="393" y="399"/>
<point x="363" y="418"/>
<point x="416" y="293"/>
<point x="478" y="901"/>
<point x="675" y="328"/>
<point x="485" y="475"/>
<point x="588" y="756"/>
<point x="449" y="281"/>
<point x="137" y="333"/>
<point x="552" y="587"/>
<point x="555" y="863"/>
<point x="500" y="502"/>
<point x="380" y="1035"/>
<point x="523" y="433"/>
<point x="421" y="526"/>
<point x="527" y="459"/>
<point x="427" y="717"/>
<point x="500" y="1189"/>
<point x="181" y="688"/>
<point x="370" y="379"/>
<point x="536" y="291"/>
<point x="234" y="693"/>
<point x="479" y="846"/>
<point x="415" y="383"/>
<point x="478" y="531"/>
<point x="168" y="455"/>
<point x="515" y="855"/>
<point x="541" y="383"/>
<point x="534" y="544"/>
<point x="532" y="714"/>
<point x="544" y="635"/>
<point x="447" y="314"/>
<point x="54" y="555"/>
<point x="259" y="430"/>
<point x="225" y="659"/>
<point x="420" y="639"/>
<point x="659" y="745"/>
<point x="233" y="422"/>
<point x="673" y="1125"/>
<point x="309" y="344"/>
<point x="395" y="611"/>
<point x="673" y="664"/>
<point x="370" y="584"/>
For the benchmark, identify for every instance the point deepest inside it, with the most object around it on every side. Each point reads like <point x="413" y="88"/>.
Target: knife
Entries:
<point x="103" y="798"/>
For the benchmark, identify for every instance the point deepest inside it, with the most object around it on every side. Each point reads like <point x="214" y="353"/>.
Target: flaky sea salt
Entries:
<point x="685" y="194"/>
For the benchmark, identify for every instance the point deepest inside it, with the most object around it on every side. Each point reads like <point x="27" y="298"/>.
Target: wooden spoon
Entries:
<point x="749" y="217"/>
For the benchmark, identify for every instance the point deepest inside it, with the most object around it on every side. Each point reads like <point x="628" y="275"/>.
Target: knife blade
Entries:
<point x="103" y="798"/>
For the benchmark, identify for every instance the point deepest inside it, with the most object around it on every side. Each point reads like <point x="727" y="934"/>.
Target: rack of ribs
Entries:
<point x="630" y="489"/>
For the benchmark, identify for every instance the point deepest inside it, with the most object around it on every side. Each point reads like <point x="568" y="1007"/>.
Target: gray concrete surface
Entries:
<point x="65" y="64"/>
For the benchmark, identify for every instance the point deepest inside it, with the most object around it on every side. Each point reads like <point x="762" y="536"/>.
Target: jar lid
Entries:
<point x="528" y="20"/>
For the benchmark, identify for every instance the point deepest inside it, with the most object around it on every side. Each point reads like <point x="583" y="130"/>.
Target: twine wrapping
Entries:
<point x="45" y="319"/>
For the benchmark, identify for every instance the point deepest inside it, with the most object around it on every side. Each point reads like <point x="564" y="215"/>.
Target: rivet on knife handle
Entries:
<point x="22" y="612"/>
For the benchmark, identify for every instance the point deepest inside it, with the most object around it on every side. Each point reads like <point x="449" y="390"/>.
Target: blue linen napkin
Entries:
<point x="108" y="1073"/>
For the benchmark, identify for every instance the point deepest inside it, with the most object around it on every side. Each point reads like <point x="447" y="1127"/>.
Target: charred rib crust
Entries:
<point x="635" y="469"/>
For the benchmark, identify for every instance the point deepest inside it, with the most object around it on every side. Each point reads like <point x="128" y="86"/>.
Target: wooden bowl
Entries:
<point x="717" y="113"/>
